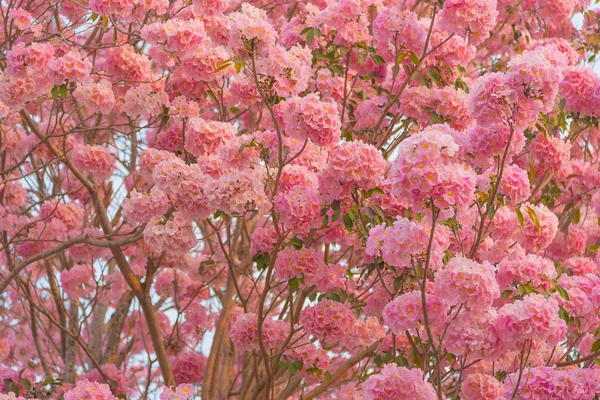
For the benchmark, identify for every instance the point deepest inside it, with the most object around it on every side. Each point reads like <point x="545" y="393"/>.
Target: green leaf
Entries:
<point x="596" y="346"/>
<point x="306" y="30"/>
<point x="414" y="59"/>
<point x="309" y="36"/>
<point x="506" y="294"/>
<point x="26" y="384"/>
<point x="336" y="215"/>
<point x="62" y="90"/>
<point x="533" y="217"/>
<point x="94" y="17"/>
<point x="54" y="92"/>
<point x="563" y="314"/>
<point x="593" y="249"/>
<point x="348" y="222"/>
<point x="562" y="292"/>
<point x="400" y="58"/>
<point x="294" y="283"/>
<point x="576" y="216"/>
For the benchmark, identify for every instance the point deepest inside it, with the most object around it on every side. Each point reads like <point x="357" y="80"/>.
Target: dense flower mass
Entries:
<point x="328" y="199"/>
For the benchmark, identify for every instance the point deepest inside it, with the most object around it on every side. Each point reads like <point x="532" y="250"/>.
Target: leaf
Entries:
<point x="222" y="65"/>
<point x="593" y="249"/>
<point x="94" y="17"/>
<point x="414" y="59"/>
<point x="576" y="216"/>
<point x="54" y="92"/>
<point x="309" y="36"/>
<point x="306" y="30"/>
<point x="596" y="346"/>
<point x="294" y="283"/>
<point x="398" y="283"/>
<point x="564" y="294"/>
<point x="433" y="76"/>
<point x="336" y="215"/>
<point x="347" y="222"/>
<point x="534" y="218"/>
<point x="400" y="58"/>
<point x="506" y="294"/>
<point x="26" y="384"/>
<point x="563" y="314"/>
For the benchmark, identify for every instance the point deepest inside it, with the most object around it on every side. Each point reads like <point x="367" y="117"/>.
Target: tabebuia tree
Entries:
<point x="280" y="199"/>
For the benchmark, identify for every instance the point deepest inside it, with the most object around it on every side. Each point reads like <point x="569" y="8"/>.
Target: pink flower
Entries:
<point x="463" y="281"/>
<point x="481" y="387"/>
<point x="85" y="390"/>
<point x="173" y="234"/>
<point x="310" y="118"/>
<point x="21" y="18"/>
<point x="78" y="281"/>
<point x="304" y="263"/>
<point x="74" y="66"/>
<point x="578" y="88"/>
<point x="250" y="27"/>
<point x="533" y="318"/>
<point x="96" y="96"/>
<point x="96" y="160"/>
<point x="189" y="368"/>
<point x="108" y="7"/>
<point x="474" y="19"/>
<point x="393" y="382"/>
<point x="405" y="312"/>
<point x="244" y="332"/>
<point x="404" y="242"/>
<point x="139" y="208"/>
<point x="542" y="383"/>
<point x="300" y="209"/>
<point x="204" y="137"/>
<point x="353" y="165"/>
<point x="538" y="230"/>
<point x="184" y="391"/>
<point x="518" y="269"/>
<point x="473" y="333"/>
<point x="328" y="321"/>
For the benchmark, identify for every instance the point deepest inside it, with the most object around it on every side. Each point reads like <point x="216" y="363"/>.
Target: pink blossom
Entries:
<point x="96" y="97"/>
<point x="310" y="118"/>
<point x="172" y="233"/>
<point x="393" y="382"/>
<point x="96" y="160"/>
<point x="463" y="281"/>
<point x="139" y="208"/>
<point x="328" y="321"/>
<point x="481" y="387"/>
<point x="244" y="332"/>
<point x="405" y="312"/>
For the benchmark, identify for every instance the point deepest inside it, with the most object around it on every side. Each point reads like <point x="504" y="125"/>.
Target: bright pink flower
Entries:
<point x="139" y="208"/>
<point x="189" y="368"/>
<point x="405" y="312"/>
<point x="204" y="137"/>
<point x="393" y="382"/>
<point x="474" y="19"/>
<point x="481" y="387"/>
<point x="172" y="233"/>
<point x="533" y="318"/>
<point x="310" y="118"/>
<point x="96" y="96"/>
<point x="328" y="321"/>
<point x="78" y="281"/>
<point x="96" y="160"/>
<point x="463" y="281"/>
<point x="85" y="390"/>
<point x="244" y="332"/>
